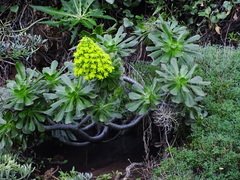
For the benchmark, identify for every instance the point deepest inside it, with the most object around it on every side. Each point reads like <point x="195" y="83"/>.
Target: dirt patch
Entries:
<point x="98" y="159"/>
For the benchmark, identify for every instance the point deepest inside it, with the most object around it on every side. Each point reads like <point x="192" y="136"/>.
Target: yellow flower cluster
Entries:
<point x="91" y="61"/>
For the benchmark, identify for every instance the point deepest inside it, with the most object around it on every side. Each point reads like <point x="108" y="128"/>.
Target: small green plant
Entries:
<point x="74" y="175"/>
<point x="10" y="168"/>
<point x="73" y="15"/>
<point x="105" y="176"/>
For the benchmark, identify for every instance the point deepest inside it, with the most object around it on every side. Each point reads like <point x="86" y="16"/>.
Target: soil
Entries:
<point x="98" y="159"/>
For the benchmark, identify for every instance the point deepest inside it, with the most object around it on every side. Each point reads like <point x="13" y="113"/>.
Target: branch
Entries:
<point x="86" y="128"/>
<point x="78" y="132"/>
<point x="78" y="144"/>
<point x="129" y="125"/>
<point x="93" y="138"/>
<point x="131" y="81"/>
<point x="83" y="121"/>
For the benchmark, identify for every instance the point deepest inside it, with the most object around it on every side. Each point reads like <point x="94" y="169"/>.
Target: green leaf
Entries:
<point x="167" y="30"/>
<point x="21" y="70"/>
<point x="175" y="66"/>
<point x="51" y="23"/>
<point x="102" y="117"/>
<point x="70" y="105"/>
<point x="50" y="96"/>
<point x="2" y="121"/>
<point x="69" y="118"/>
<point x="127" y="22"/>
<point x="175" y="90"/>
<point x="31" y="126"/>
<point x="39" y="126"/>
<point x="79" y="105"/>
<point x="74" y="33"/>
<point x="183" y="70"/>
<point x="185" y="89"/>
<point x="2" y="143"/>
<point x="178" y="98"/>
<point x="52" y="11"/>
<point x="189" y="101"/>
<point x="87" y="89"/>
<point x="39" y="117"/>
<point x="143" y="109"/>
<point x="98" y="30"/>
<point x="138" y="88"/>
<point x="14" y="8"/>
<point x="166" y="87"/>
<point x="208" y="10"/>
<point x="28" y="101"/>
<point x="86" y="103"/>
<point x="192" y="39"/>
<point x="198" y="80"/>
<point x="88" y="23"/>
<point x="197" y="90"/>
<point x="67" y="81"/>
<point x="20" y="123"/>
<point x="132" y="106"/>
<point x="134" y="96"/>
<point x="60" y="115"/>
<point x="3" y="8"/>
<point x="190" y="73"/>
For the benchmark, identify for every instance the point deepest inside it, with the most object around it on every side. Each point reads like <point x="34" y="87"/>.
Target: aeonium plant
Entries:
<point x="98" y="104"/>
<point x="171" y="41"/>
<point x="180" y="83"/>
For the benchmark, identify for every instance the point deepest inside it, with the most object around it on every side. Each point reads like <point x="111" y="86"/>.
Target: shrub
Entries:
<point x="214" y="149"/>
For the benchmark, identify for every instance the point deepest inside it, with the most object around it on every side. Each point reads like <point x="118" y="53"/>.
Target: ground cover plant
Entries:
<point x="214" y="149"/>
<point x="101" y="89"/>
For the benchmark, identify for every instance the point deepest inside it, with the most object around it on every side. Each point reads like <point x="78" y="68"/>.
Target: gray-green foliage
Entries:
<point x="18" y="45"/>
<point x="10" y="168"/>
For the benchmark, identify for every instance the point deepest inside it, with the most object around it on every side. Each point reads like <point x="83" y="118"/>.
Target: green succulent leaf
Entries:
<point x="133" y="106"/>
<point x="21" y="70"/>
<point x="134" y="96"/>
<point x="198" y="80"/>
<point x="198" y="90"/>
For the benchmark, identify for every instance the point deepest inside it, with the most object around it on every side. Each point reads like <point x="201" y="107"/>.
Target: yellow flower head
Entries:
<point x="91" y="61"/>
